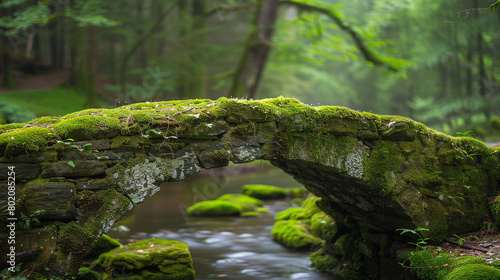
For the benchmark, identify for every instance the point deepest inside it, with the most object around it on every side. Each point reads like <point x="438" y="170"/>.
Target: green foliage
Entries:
<point x="30" y="16"/>
<point x="495" y="6"/>
<point x="31" y="220"/>
<point x="6" y="274"/>
<point x="421" y="240"/>
<point x="14" y="113"/>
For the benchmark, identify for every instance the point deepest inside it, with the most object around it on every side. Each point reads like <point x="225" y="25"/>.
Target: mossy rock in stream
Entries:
<point x="264" y="191"/>
<point x="153" y="258"/>
<point x="246" y="202"/>
<point x="214" y="208"/>
<point x="295" y="235"/>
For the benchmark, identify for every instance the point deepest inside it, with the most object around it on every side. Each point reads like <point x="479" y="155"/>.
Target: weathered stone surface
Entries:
<point x="94" y="184"/>
<point x="55" y="200"/>
<point x="141" y="179"/>
<point x="23" y="171"/>
<point x="32" y="158"/>
<point x="96" y="145"/>
<point x="81" y="169"/>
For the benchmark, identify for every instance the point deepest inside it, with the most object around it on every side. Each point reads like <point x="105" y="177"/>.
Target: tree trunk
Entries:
<point x="197" y="78"/>
<point x="6" y="59"/>
<point x="93" y="68"/>
<point x="79" y="74"/>
<point x="128" y="54"/>
<point x="258" y="46"/>
<point x="184" y="51"/>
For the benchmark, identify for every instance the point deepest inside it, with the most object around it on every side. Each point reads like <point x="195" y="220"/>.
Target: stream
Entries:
<point x="223" y="247"/>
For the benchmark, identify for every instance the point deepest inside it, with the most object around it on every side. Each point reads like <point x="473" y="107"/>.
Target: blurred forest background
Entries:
<point x="436" y="61"/>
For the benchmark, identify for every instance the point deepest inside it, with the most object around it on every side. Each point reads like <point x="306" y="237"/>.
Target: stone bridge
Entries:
<point x="80" y="173"/>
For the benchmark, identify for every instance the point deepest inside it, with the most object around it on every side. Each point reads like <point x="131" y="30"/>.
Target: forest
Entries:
<point x="434" y="61"/>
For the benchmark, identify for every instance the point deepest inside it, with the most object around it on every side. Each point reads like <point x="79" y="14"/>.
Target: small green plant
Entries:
<point x="75" y="148"/>
<point x="421" y="240"/>
<point x="465" y="133"/>
<point x="460" y="239"/>
<point x="30" y="220"/>
<point x="7" y="274"/>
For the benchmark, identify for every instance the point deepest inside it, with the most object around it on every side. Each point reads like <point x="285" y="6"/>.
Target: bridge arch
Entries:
<point x="374" y="173"/>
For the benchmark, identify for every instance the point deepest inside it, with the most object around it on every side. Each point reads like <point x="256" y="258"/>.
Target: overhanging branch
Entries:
<point x="367" y="53"/>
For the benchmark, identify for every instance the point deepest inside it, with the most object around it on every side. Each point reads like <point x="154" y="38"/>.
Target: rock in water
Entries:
<point x="153" y="258"/>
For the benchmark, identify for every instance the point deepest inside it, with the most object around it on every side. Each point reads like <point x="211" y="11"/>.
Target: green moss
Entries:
<point x="250" y="214"/>
<point x="264" y="191"/>
<point x="324" y="262"/>
<point x="262" y="210"/>
<point x="10" y="126"/>
<point x="295" y="235"/>
<point x="430" y="265"/>
<point x="87" y="127"/>
<point x="246" y="202"/>
<point x="25" y="140"/>
<point x="310" y="204"/>
<point x="210" y="208"/>
<point x="218" y="156"/>
<point x="104" y="244"/>
<point x="126" y="142"/>
<point x="161" y="258"/>
<point x="495" y="211"/>
<point x="322" y="225"/>
<point x="292" y="213"/>
<point x="85" y="273"/>
<point x="474" y="272"/>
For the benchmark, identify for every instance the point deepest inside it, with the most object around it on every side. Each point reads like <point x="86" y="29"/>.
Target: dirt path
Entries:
<point x="39" y="81"/>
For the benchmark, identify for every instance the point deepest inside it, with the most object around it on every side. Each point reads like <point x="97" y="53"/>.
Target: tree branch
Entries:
<point x="367" y="53"/>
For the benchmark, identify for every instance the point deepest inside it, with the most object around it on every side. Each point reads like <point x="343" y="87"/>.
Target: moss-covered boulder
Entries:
<point x="246" y="202"/>
<point x="293" y="228"/>
<point x="214" y="208"/>
<point x="430" y="265"/>
<point x="86" y="273"/>
<point x="104" y="244"/>
<point x="295" y="235"/>
<point x="153" y="258"/>
<point x="264" y="191"/>
<point x="474" y="272"/>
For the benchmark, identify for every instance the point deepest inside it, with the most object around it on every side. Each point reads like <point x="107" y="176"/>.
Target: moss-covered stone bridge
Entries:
<point x="374" y="173"/>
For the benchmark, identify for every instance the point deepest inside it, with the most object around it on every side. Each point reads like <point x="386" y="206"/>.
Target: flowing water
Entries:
<point x="221" y="248"/>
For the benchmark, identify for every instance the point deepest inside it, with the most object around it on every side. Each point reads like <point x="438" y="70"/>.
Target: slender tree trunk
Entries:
<point x="55" y="52"/>
<point x="6" y="59"/>
<point x="93" y="68"/>
<point x="7" y="77"/>
<point x="184" y="50"/>
<point x="198" y="74"/>
<point x="258" y="46"/>
<point x="444" y="79"/>
<point x="79" y="74"/>
<point x="468" y="72"/>
<point x="128" y="54"/>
